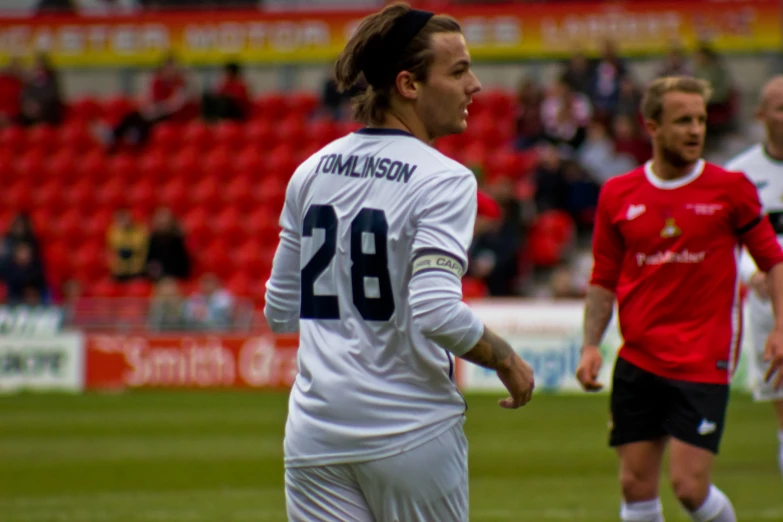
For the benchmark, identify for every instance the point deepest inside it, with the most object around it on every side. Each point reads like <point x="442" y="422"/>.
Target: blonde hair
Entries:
<point x="371" y="104"/>
<point x="652" y="101"/>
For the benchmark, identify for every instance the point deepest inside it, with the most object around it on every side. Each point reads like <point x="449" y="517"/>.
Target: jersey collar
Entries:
<point x="379" y="131"/>
<point x="668" y="184"/>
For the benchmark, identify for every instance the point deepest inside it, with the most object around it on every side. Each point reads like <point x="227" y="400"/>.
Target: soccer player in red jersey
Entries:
<point x="666" y="245"/>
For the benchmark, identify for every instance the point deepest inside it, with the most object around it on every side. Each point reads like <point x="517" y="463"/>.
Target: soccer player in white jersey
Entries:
<point x="375" y="230"/>
<point x="763" y="164"/>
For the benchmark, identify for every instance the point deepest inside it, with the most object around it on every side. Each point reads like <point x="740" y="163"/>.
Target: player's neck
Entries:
<point x="666" y="171"/>
<point x="411" y="125"/>
<point x="774" y="151"/>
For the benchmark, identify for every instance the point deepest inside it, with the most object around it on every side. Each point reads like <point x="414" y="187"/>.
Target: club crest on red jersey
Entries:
<point x="670" y="228"/>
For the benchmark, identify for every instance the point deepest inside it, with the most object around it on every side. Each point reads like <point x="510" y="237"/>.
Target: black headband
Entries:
<point x="382" y="54"/>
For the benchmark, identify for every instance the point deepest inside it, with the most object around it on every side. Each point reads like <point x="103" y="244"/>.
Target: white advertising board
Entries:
<point x="548" y="335"/>
<point x="42" y="363"/>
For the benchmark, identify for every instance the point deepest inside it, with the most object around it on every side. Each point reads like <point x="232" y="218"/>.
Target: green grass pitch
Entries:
<point x="217" y="456"/>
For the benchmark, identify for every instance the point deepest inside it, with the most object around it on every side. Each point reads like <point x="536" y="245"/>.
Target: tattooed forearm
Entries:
<point x="599" y="305"/>
<point x="491" y="352"/>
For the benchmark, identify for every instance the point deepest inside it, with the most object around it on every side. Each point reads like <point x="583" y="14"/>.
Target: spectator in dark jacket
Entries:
<point x="41" y="97"/>
<point x="23" y="276"/>
<point x="230" y="100"/>
<point x="167" y="255"/>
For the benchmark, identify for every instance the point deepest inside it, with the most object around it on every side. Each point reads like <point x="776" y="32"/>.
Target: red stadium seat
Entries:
<point x="154" y="166"/>
<point x="228" y="225"/>
<point x="249" y="258"/>
<point x="90" y="259"/>
<point x="116" y="108"/>
<point x="75" y="136"/>
<point x="68" y="227"/>
<point x="238" y="193"/>
<point x="206" y="194"/>
<point x="215" y="258"/>
<point x="291" y="131"/>
<point x="197" y="227"/>
<point x="123" y="168"/>
<point x="31" y="166"/>
<point x="240" y="284"/>
<point x="113" y="194"/>
<point x="96" y="224"/>
<point x="555" y="224"/>
<point x="219" y="163"/>
<point x="499" y="103"/>
<point x="17" y="196"/>
<point x="63" y="166"/>
<point x="249" y="162"/>
<point x="48" y="195"/>
<point x="281" y="163"/>
<point x="105" y="287"/>
<point x="302" y="104"/>
<point x="80" y="195"/>
<point x="260" y="135"/>
<point x="142" y="197"/>
<point x="271" y="193"/>
<point x="322" y="131"/>
<point x="13" y="138"/>
<point x="138" y="289"/>
<point x="174" y="194"/>
<point x="42" y="136"/>
<point x="271" y="107"/>
<point x="187" y="163"/>
<point x="85" y="110"/>
<point x="93" y="166"/>
<point x="166" y="136"/>
<point x="198" y="135"/>
<point x="229" y="135"/>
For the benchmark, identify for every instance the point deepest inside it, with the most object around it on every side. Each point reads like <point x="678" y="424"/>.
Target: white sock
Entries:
<point x="780" y="451"/>
<point x="644" y="511"/>
<point x="716" y="508"/>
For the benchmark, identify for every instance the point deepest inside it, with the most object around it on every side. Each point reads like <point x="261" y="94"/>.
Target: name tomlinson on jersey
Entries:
<point x="365" y="167"/>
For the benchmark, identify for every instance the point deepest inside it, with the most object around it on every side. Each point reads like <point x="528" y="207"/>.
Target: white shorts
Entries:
<point x="761" y="322"/>
<point x="428" y="483"/>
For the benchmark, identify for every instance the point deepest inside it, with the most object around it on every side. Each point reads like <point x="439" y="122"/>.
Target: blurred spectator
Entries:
<point x="675" y="63"/>
<point x="230" y="100"/>
<point x="24" y="276"/>
<point x="528" y="117"/>
<point x="565" y="115"/>
<point x="19" y="232"/>
<point x="211" y="307"/>
<point x="629" y="99"/>
<point x="551" y="192"/>
<point x="582" y="195"/>
<point x="578" y="73"/>
<point x="609" y="72"/>
<point x="628" y="139"/>
<point x="167" y="100"/>
<point x="167" y="306"/>
<point x="336" y="104"/>
<point x="126" y="242"/>
<point x="41" y="97"/>
<point x="561" y="284"/>
<point x="11" y="84"/>
<point x="710" y="68"/>
<point x="167" y="254"/>
<point x="598" y="154"/>
<point x="493" y="252"/>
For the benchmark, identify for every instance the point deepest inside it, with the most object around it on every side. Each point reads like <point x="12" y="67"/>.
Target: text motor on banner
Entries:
<point x="42" y="363"/>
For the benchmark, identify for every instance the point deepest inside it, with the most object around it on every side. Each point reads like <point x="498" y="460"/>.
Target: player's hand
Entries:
<point x="589" y="368"/>
<point x="773" y="354"/>
<point x="518" y="380"/>
<point x="758" y="283"/>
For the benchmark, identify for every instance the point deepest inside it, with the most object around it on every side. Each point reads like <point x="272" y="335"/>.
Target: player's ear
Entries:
<point x="407" y="86"/>
<point x="651" y="126"/>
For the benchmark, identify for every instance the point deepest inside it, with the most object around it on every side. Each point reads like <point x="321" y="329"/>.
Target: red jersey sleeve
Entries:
<point x="754" y="229"/>
<point x="608" y="247"/>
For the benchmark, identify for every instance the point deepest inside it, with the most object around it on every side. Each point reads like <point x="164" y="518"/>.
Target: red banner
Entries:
<point x="190" y="361"/>
<point x="506" y="32"/>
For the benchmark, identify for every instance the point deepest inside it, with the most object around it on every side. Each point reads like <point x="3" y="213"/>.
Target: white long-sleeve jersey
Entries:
<point x="767" y="174"/>
<point x="375" y="232"/>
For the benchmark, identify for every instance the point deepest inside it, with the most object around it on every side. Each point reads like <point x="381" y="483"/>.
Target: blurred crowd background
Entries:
<point x="153" y="193"/>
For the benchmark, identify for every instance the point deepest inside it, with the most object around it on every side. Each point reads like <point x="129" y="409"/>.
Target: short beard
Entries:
<point x="673" y="158"/>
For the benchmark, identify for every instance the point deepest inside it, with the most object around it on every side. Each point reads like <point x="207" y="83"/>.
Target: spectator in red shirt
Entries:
<point x="167" y="100"/>
<point x="230" y="100"/>
<point x="665" y="246"/>
<point x="10" y="93"/>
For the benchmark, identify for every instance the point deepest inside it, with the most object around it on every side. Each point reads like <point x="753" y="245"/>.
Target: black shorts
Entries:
<point x="645" y="406"/>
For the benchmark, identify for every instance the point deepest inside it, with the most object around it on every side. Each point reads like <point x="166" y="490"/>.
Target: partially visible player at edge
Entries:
<point x="375" y="231"/>
<point x="763" y="164"/>
<point x="666" y="248"/>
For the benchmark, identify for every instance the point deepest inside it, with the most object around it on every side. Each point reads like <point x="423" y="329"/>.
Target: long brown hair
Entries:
<point x="370" y="105"/>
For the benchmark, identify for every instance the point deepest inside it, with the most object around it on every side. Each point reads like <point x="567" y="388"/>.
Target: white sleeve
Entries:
<point x="747" y="267"/>
<point x="443" y="232"/>
<point x="282" y="290"/>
